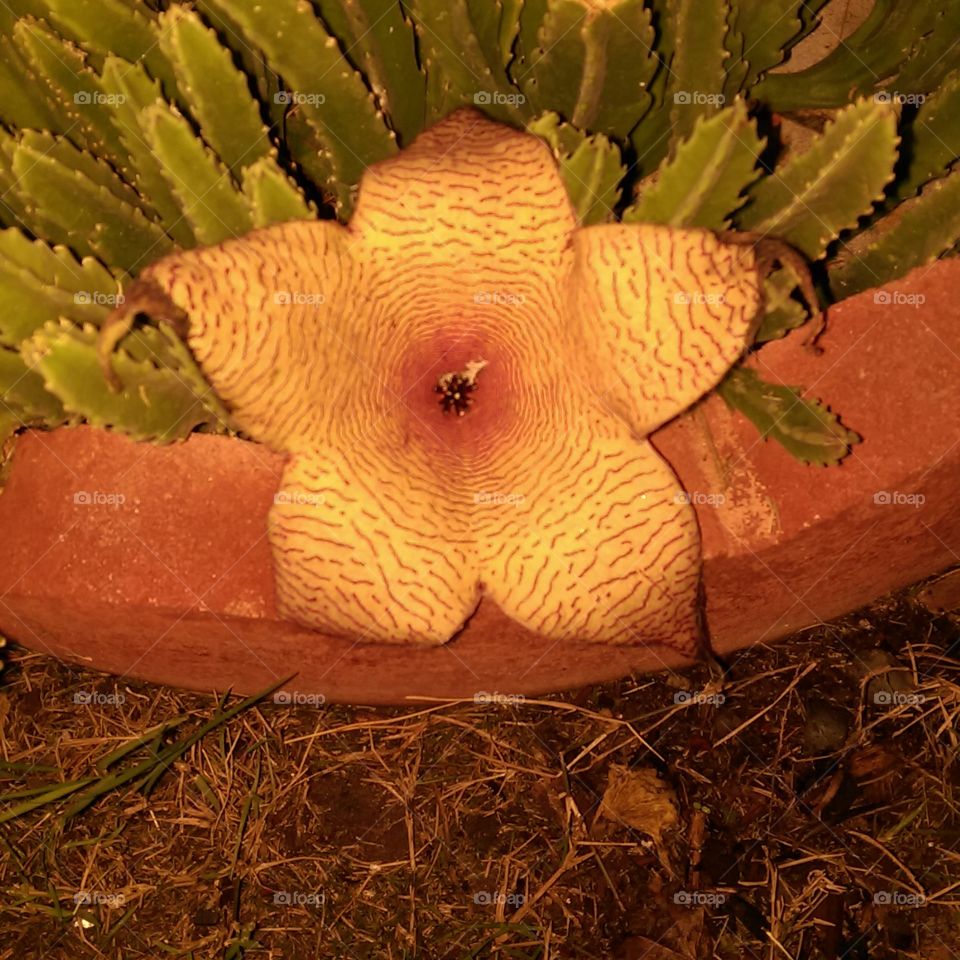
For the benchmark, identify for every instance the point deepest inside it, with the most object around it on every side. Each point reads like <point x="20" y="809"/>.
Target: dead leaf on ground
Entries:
<point x="638" y="798"/>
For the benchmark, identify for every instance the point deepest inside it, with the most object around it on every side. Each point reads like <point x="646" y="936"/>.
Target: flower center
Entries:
<point x="459" y="396"/>
<point x="455" y="388"/>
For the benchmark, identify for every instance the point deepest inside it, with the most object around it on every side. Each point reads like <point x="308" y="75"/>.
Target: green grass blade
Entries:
<point x="146" y="771"/>
<point x="147" y="738"/>
<point x="222" y="716"/>
<point x="49" y="796"/>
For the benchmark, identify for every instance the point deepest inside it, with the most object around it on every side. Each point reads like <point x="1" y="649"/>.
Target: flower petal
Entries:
<point x="463" y="253"/>
<point x="270" y="324"/>
<point x="603" y="547"/>
<point x="666" y="312"/>
<point x="467" y="196"/>
<point x="363" y="550"/>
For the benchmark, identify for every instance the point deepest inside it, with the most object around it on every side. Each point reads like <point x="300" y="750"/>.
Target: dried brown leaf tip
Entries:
<point x="464" y="267"/>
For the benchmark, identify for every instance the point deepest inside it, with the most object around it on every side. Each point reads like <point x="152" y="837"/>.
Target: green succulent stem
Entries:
<point x="127" y="133"/>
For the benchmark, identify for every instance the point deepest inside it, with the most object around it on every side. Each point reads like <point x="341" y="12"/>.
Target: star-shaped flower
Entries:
<point x="463" y="380"/>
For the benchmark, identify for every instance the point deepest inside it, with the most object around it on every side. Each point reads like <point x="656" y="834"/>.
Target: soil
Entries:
<point x="813" y="793"/>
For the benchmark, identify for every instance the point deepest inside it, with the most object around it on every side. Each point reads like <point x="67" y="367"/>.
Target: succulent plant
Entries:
<point x="132" y="129"/>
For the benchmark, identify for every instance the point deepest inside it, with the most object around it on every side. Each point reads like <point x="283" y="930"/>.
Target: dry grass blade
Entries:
<point x="143" y="775"/>
<point x="466" y="829"/>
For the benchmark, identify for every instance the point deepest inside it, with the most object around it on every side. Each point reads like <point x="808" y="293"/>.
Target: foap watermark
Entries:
<point x="901" y="99"/>
<point x="898" y="898"/>
<point x="299" y="498"/>
<point x="98" y="498"/>
<point x="699" y="497"/>
<point x="498" y="699"/>
<point x="498" y="298"/>
<point x="698" y="898"/>
<point x="698" y="696"/>
<point x="886" y="298"/>
<point x="296" y="698"/>
<point x="96" y="699"/>
<point x="486" y="898"/>
<point x="485" y="98"/>
<point x="86" y="297"/>
<point x="699" y="98"/>
<point x="296" y="98"/>
<point x="87" y="97"/>
<point x="897" y="498"/>
<point x="697" y="298"/>
<point x="498" y="499"/>
<point x="98" y="898"/>
<point x="298" y="297"/>
<point x="297" y="898"/>
<point x="897" y="698"/>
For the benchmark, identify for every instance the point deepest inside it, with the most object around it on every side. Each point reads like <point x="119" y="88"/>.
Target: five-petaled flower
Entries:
<point x="593" y="341"/>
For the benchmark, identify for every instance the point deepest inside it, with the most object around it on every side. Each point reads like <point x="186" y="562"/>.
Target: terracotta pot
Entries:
<point x="174" y="584"/>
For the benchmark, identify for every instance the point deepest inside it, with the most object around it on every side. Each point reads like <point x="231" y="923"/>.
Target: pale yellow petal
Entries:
<point x="270" y="318"/>
<point x="602" y="546"/>
<point x="361" y="550"/>
<point x="664" y="312"/>
<point x="470" y="200"/>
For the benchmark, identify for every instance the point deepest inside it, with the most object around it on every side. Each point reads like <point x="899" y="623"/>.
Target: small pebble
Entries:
<point x="943" y="595"/>
<point x="826" y="727"/>
<point x="894" y="679"/>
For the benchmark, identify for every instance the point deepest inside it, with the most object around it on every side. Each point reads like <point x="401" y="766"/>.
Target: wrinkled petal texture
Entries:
<point x="394" y="518"/>
<point x="667" y="311"/>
